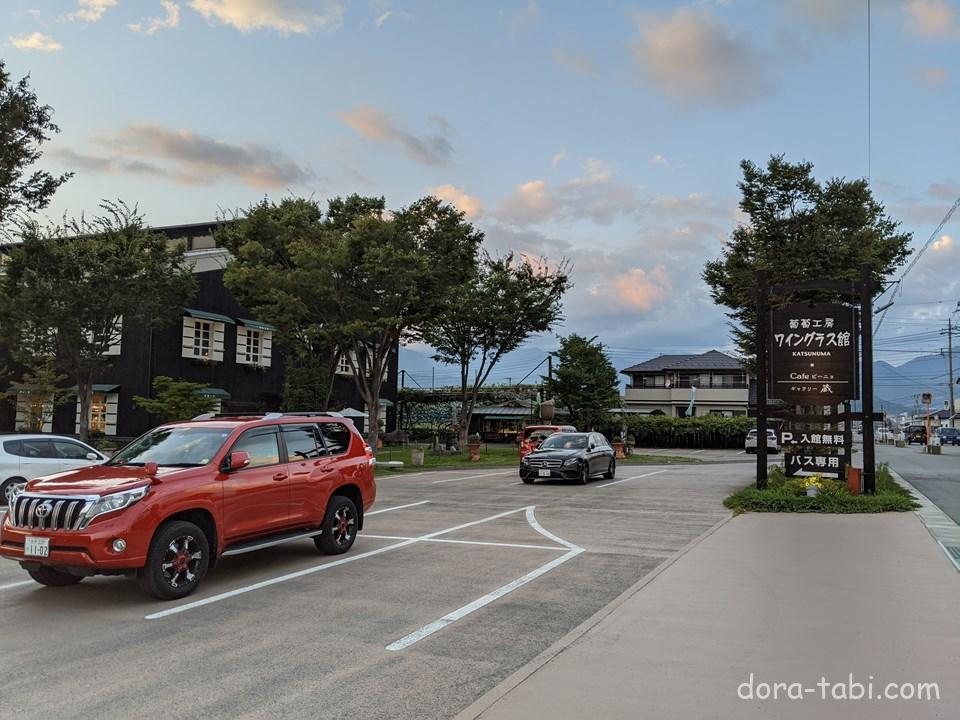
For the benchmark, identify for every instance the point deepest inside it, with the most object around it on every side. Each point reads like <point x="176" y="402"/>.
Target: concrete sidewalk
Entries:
<point x="789" y="598"/>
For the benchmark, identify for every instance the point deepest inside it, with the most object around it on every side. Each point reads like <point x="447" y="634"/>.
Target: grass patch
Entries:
<point x="657" y="460"/>
<point x="489" y="456"/>
<point x="788" y="495"/>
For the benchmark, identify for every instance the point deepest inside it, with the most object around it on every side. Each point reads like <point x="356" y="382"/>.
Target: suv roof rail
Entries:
<point x="267" y="416"/>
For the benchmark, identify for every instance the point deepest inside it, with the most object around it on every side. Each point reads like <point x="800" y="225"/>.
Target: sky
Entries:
<point x="607" y="133"/>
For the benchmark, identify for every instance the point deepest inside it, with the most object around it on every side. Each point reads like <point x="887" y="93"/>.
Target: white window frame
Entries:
<point x="245" y="346"/>
<point x="194" y="346"/>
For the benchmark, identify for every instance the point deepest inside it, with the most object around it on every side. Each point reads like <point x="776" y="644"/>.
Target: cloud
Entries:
<point x="933" y="77"/>
<point x="373" y="124"/>
<point x="595" y="195"/>
<point x="526" y="15"/>
<point x="91" y="10"/>
<point x="284" y="16"/>
<point x="188" y="158"/>
<point x="638" y="289"/>
<point x="831" y="15"/>
<point x="658" y="160"/>
<point x="694" y="59"/>
<point x="943" y="244"/>
<point x="558" y="158"/>
<point x="155" y="24"/>
<point x="469" y="205"/>
<point x="36" y="41"/>
<point x="932" y="19"/>
<point x="947" y="191"/>
<point x="576" y="61"/>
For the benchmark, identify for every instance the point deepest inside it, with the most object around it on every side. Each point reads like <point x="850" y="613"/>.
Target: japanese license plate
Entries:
<point x="544" y="473"/>
<point x="36" y="546"/>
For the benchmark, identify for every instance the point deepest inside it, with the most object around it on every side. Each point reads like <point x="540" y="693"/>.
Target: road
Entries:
<point x="936" y="476"/>
<point x="459" y="579"/>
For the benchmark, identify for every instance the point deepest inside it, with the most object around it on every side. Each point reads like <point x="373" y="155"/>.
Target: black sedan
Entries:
<point x="570" y="456"/>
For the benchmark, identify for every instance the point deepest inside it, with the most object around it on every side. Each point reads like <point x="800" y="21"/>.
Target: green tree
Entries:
<point x="351" y="283"/>
<point x="176" y="399"/>
<point x="584" y="381"/>
<point x="67" y="291"/>
<point x="41" y="385"/>
<point x="494" y="313"/>
<point x="799" y="229"/>
<point x="25" y="125"/>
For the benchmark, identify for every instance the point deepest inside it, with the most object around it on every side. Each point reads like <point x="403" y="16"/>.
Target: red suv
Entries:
<point x="172" y="502"/>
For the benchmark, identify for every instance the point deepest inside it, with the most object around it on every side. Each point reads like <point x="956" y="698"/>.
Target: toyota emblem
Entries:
<point x="43" y="509"/>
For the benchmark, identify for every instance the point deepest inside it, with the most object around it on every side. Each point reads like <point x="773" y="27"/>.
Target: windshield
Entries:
<point x="565" y="442"/>
<point x="173" y="447"/>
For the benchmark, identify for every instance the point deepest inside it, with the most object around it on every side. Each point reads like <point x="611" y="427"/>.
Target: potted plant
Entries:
<point x="473" y="445"/>
<point x="812" y="485"/>
<point x="416" y="456"/>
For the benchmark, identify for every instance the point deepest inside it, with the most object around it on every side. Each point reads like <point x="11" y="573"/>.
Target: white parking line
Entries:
<point x="427" y="630"/>
<point x="741" y="452"/>
<point x="522" y="546"/>
<point x="635" y="477"/>
<point x="8" y="586"/>
<point x="471" y="477"/>
<point x="397" y="507"/>
<point x="697" y="452"/>
<point x="318" y="568"/>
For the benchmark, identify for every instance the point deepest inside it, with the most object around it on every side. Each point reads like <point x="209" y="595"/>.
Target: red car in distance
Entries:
<point x="532" y="435"/>
<point x="175" y="500"/>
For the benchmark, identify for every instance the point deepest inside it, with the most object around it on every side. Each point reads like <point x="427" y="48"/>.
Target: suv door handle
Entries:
<point x="326" y="468"/>
<point x="280" y="476"/>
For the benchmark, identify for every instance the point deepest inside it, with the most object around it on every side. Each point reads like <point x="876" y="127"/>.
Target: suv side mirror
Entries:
<point x="238" y="460"/>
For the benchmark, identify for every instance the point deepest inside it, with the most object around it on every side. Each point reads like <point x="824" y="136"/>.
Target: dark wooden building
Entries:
<point x="216" y="341"/>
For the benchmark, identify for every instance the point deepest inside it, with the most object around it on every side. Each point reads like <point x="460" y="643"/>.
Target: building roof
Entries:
<point x="712" y="360"/>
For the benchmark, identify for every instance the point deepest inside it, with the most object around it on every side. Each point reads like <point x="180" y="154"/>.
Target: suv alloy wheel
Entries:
<point x="339" y="526"/>
<point x="177" y="561"/>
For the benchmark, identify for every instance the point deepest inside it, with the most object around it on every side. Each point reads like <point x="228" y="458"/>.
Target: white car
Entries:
<point x="773" y="444"/>
<point x="25" y="457"/>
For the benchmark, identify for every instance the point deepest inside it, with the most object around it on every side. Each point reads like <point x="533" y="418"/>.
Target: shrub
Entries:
<point x="789" y="495"/>
<point x="708" y="431"/>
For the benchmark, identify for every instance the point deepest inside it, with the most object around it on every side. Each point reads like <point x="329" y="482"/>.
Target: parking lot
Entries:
<point x="459" y="578"/>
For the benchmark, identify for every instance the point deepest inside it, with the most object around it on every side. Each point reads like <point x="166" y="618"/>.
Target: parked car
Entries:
<point x="773" y="444"/>
<point x="883" y="434"/>
<point x="167" y="506"/>
<point x="948" y="435"/>
<point x="916" y="434"/>
<point x="570" y="456"/>
<point x="25" y="457"/>
<point x="532" y="435"/>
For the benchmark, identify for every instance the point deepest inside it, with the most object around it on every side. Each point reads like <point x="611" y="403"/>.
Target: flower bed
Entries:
<point x="790" y="495"/>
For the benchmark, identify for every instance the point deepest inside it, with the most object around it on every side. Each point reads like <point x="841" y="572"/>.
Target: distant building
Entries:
<point x="664" y="385"/>
<point x="216" y="341"/>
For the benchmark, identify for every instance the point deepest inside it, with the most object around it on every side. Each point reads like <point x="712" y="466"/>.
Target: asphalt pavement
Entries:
<point x="936" y="476"/>
<point x="459" y="579"/>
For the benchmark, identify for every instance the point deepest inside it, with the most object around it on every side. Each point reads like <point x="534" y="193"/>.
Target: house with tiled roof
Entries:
<point x="717" y="384"/>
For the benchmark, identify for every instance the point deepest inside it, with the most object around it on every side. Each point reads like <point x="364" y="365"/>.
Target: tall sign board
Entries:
<point x="813" y="358"/>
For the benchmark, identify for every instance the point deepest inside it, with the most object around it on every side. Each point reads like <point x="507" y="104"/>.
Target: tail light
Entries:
<point x="370" y="456"/>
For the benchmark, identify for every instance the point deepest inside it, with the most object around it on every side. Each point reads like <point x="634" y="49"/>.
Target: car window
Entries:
<point x="303" y="442"/>
<point x="336" y="437"/>
<point x="37" y="449"/>
<point x="262" y="445"/>
<point x="565" y="442"/>
<point x="13" y="447"/>
<point x="70" y="450"/>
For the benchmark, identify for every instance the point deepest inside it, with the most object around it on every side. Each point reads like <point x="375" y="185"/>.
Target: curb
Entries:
<point x="506" y="686"/>
<point x="941" y="526"/>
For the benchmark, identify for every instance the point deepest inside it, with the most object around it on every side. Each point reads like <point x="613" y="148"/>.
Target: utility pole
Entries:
<point x="950" y="382"/>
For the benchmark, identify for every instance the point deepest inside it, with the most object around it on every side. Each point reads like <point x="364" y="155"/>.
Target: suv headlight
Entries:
<point x="112" y="503"/>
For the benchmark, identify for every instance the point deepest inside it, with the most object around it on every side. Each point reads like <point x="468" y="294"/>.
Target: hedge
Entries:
<point x="709" y="431"/>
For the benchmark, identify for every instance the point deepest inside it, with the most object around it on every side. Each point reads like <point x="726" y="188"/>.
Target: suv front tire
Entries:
<point x="177" y="561"/>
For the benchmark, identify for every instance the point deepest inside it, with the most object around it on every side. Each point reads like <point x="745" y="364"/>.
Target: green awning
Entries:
<point x="218" y="393"/>
<point x="103" y="389"/>
<point x="256" y="325"/>
<point x="204" y="315"/>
